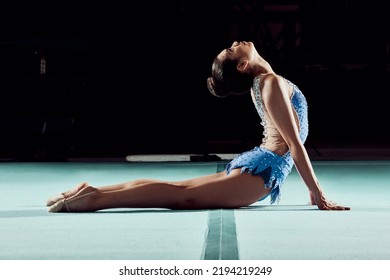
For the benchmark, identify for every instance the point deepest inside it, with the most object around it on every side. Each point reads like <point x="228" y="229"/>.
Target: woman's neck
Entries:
<point x="262" y="68"/>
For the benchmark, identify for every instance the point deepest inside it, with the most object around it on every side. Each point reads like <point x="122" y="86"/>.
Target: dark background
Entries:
<point x="130" y="78"/>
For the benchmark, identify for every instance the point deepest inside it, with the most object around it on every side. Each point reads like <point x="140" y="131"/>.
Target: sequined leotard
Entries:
<point x="264" y="160"/>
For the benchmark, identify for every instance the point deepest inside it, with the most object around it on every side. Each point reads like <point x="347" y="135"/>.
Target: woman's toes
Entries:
<point x="66" y="194"/>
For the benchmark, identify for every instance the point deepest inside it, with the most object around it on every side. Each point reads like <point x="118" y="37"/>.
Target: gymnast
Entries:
<point x="251" y="176"/>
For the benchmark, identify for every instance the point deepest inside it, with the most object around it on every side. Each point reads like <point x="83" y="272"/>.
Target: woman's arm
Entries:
<point x="276" y="97"/>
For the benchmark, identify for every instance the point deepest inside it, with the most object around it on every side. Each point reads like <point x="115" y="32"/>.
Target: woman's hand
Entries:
<point x="324" y="204"/>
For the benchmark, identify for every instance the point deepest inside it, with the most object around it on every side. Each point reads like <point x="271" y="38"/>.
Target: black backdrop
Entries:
<point x="125" y="79"/>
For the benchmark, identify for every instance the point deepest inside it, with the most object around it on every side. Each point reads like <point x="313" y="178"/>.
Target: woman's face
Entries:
<point x="238" y="50"/>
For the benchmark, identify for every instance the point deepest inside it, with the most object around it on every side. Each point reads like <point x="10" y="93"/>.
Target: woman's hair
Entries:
<point x="226" y="80"/>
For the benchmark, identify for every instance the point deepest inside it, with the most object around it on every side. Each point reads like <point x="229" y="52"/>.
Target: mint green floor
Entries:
<point x="290" y="230"/>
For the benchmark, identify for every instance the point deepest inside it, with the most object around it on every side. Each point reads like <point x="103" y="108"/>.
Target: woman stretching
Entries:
<point x="251" y="176"/>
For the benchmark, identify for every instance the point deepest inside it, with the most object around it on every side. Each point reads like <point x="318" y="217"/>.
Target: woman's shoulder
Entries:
<point x="266" y="79"/>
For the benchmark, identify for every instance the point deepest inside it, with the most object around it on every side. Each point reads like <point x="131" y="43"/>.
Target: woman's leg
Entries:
<point x="69" y="193"/>
<point x="187" y="182"/>
<point x="213" y="191"/>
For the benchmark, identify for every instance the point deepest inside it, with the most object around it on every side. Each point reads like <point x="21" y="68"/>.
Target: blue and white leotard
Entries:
<point x="263" y="160"/>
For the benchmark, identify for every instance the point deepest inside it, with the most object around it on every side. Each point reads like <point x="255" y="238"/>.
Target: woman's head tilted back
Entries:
<point x="228" y="74"/>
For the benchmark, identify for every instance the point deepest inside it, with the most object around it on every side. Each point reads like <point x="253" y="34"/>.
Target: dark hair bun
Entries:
<point x="216" y="88"/>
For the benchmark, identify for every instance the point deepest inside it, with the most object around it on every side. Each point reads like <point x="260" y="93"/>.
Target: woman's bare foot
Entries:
<point x="75" y="203"/>
<point x="66" y="194"/>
